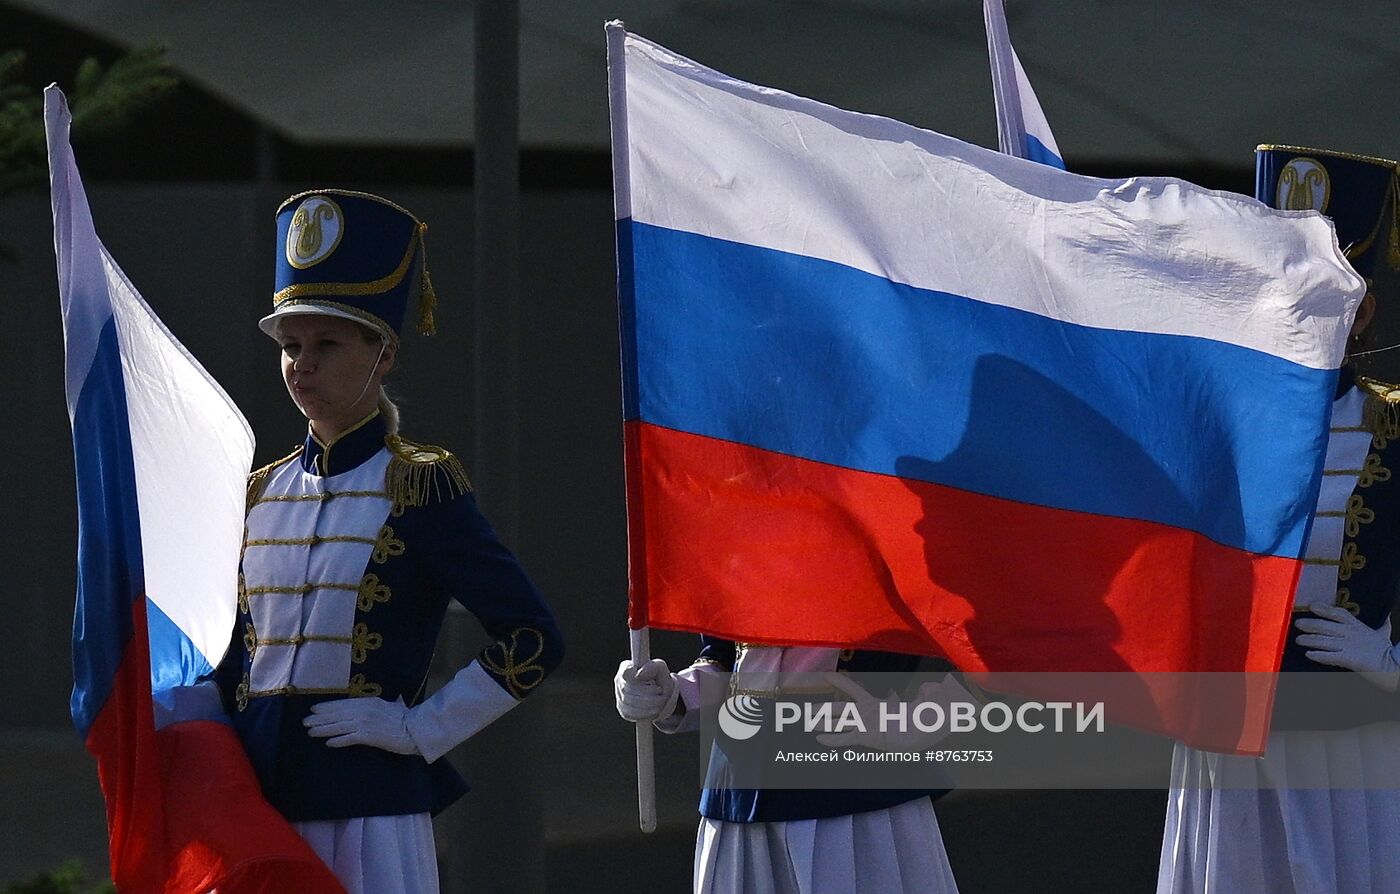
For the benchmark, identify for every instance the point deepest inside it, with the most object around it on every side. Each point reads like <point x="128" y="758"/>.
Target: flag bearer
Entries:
<point x="1321" y="811"/>
<point x="353" y="546"/>
<point x="792" y="841"/>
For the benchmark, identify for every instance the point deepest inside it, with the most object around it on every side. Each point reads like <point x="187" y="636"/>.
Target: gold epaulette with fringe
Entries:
<point x="257" y="479"/>
<point x="419" y="471"/>
<point x="1380" y="415"/>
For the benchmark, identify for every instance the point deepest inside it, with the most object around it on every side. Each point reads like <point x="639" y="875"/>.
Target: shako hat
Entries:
<point x="1358" y="192"/>
<point x="352" y="255"/>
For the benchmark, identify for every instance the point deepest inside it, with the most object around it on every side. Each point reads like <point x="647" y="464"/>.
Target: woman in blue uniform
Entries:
<point x="353" y="546"/>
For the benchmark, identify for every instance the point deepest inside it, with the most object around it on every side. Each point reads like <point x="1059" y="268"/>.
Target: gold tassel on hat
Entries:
<point x="427" y="303"/>
<point x="427" y="297"/>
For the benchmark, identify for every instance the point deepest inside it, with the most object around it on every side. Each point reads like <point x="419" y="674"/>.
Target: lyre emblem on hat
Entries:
<point x="315" y="231"/>
<point x="1303" y="185"/>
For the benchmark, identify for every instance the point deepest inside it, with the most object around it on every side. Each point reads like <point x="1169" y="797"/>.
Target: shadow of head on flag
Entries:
<point x="884" y="389"/>
<point x="1000" y="548"/>
<point x="1023" y="579"/>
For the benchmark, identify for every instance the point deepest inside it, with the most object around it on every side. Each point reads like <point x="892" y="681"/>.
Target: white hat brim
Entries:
<point x="268" y="324"/>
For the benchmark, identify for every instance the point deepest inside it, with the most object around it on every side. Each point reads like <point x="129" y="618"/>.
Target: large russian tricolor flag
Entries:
<point x="162" y="456"/>
<point x="1022" y="129"/>
<point x="888" y="389"/>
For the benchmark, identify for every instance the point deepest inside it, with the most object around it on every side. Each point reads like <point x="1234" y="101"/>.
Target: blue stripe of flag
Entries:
<point x="110" y="569"/>
<point x="1038" y="151"/>
<point x="813" y="359"/>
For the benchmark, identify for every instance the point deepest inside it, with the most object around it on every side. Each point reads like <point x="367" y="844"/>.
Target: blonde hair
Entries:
<point x="389" y="410"/>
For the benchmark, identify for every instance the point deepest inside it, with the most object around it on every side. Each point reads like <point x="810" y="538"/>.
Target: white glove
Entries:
<point x="645" y="692"/>
<point x="459" y="710"/>
<point x="944" y="692"/>
<point x="362" y="721"/>
<point x="1339" y="638"/>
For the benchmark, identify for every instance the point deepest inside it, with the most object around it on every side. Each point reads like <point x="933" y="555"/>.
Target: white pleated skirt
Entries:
<point x="377" y="854"/>
<point x="1231" y="828"/>
<point x="893" y="851"/>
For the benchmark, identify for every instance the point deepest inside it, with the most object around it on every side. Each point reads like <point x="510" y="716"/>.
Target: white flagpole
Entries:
<point x="622" y="206"/>
<point x="646" y="756"/>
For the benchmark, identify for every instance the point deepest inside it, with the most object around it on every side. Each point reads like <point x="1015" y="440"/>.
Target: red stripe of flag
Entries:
<point x="184" y="810"/>
<point x="763" y="547"/>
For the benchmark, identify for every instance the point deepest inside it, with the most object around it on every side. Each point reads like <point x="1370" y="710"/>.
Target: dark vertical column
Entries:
<point x="496" y="281"/>
<point x="495" y="838"/>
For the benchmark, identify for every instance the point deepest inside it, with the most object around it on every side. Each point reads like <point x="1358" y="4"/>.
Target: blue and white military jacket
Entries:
<point x="351" y="551"/>
<point x="1352" y="558"/>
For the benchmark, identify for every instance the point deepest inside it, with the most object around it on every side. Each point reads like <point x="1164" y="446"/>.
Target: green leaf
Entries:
<point x="100" y="100"/>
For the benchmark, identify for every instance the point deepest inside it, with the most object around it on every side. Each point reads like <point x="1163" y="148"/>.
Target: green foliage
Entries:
<point x="66" y="879"/>
<point x="21" y="128"/>
<point x="101" y="100"/>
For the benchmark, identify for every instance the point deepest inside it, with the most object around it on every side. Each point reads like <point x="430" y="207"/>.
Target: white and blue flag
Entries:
<point x="1022" y="130"/>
